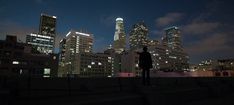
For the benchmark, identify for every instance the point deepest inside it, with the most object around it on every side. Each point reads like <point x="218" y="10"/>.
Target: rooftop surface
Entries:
<point x="117" y="91"/>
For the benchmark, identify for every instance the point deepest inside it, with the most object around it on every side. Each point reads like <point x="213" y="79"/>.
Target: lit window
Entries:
<point x="46" y="72"/>
<point x="137" y="65"/>
<point x="93" y="63"/>
<point x="15" y="62"/>
<point x="166" y="61"/>
<point x="21" y="71"/>
<point x="99" y="63"/>
<point x="89" y="66"/>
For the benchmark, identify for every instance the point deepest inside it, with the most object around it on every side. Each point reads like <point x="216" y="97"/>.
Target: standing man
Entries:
<point x="145" y="63"/>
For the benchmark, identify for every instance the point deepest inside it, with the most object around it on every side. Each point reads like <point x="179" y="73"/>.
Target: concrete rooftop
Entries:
<point x="116" y="91"/>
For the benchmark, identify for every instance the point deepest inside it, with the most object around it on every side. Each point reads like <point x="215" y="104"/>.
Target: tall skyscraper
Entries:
<point x="172" y="38"/>
<point x="119" y="37"/>
<point x="47" y="25"/>
<point x="43" y="42"/>
<point x="76" y="43"/>
<point x="77" y="58"/>
<point x="138" y="36"/>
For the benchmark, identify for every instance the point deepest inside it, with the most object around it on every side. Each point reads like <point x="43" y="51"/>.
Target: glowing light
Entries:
<point x="137" y="65"/>
<point x="99" y="63"/>
<point x="68" y="33"/>
<point x="84" y="34"/>
<point x="46" y="72"/>
<point x="42" y="36"/>
<point x="119" y="19"/>
<point x="15" y="62"/>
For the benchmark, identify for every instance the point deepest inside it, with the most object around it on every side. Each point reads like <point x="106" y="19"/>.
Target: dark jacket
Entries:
<point x="145" y="61"/>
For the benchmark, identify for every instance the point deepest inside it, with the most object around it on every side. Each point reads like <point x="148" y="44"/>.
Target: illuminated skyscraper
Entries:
<point x="119" y="37"/>
<point x="76" y="43"/>
<point x="172" y="38"/>
<point x="47" y="25"/>
<point x="44" y="41"/>
<point x="138" y="36"/>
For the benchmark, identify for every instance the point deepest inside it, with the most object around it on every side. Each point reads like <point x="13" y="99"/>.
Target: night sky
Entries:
<point x="206" y="25"/>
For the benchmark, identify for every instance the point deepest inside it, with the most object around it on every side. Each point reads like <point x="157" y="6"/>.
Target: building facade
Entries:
<point x="43" y="42"/>
<point x="166" y="59"/>
<point x="62" y="50"/>
<point x="47" y="25"/>
<point x="138" y="36"/>
<point x="17" y="59"/>
<point x="216" y="65"/>
<point x="115" y="59"/>
<point x="130" y="66"/>
<point x="76" y="43"/>
<point x="95" y="65"/>
<point x="119" y="37"/>
<point x="172" y="38"/>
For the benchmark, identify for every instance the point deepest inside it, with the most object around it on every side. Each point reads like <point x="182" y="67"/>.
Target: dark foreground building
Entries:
<point x="19" y="59"/>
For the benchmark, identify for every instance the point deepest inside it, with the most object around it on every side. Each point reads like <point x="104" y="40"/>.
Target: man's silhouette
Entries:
<point x="145" y="63"/>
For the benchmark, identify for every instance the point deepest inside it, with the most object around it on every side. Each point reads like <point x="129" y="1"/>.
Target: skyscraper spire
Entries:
<point x="119" y="37"/>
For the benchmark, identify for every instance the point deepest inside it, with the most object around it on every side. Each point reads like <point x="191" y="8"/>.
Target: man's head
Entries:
<point x="145" y="49"/>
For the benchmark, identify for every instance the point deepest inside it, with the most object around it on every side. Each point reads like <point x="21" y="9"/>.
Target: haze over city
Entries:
<point x="206" y="26"/>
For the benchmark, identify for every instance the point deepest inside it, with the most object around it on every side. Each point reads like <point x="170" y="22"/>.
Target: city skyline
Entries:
<point x="204" y="24"/>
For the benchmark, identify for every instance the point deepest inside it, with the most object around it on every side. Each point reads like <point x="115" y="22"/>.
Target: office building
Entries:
<point x="172" y="38"/>
<point x="43" y="42"/>
<point x="119" y="37"/>
<point x="138" y="36"/>
<point x="166" y="59"/>
<point x="62" y="50"/>
<point x="47" y="25"/>
<point x="75" y="43"/>
<point x="217" y="65"/>
<point x="115" y="59"/>
<point x="18" y="59"/>
<point x="153" y="43"/>
<point x="130" y="67"/>
<point x="95" y="65"/>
